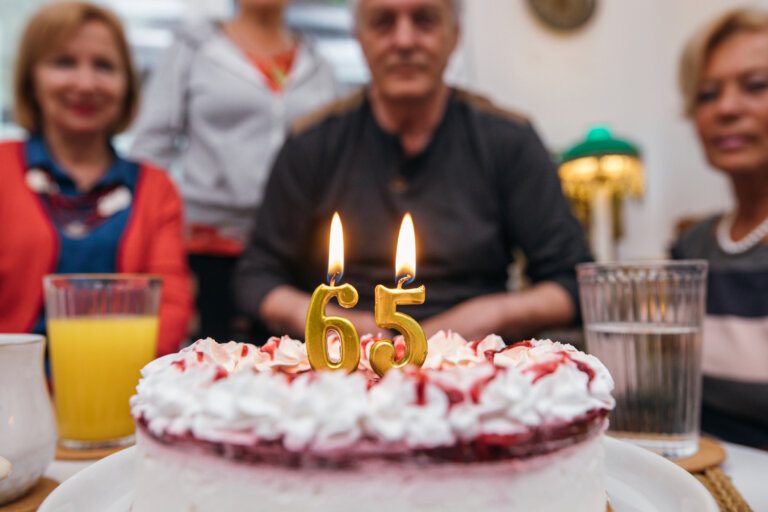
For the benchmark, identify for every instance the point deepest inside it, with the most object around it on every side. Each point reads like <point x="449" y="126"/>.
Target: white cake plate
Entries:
<point x="637" y="481"/>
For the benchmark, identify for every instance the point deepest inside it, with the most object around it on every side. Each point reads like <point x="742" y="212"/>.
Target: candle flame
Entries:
<point x="405" y="261"/>
<point x="336" y="250"/>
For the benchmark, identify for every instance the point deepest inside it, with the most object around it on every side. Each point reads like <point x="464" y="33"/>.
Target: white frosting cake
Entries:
<point x="479" y="426"/>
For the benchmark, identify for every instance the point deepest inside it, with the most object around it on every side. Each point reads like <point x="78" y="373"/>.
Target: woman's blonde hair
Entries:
<point x="47" y="30"/>
<point x="699" y="47"/>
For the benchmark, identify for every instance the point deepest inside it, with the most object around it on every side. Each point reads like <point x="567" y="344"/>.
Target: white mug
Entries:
<point x="27" y="429"/>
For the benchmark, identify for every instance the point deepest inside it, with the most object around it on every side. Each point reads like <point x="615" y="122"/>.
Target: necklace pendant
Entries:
<point x="40" y="182"/>
<point x="113" y="202"/>
<point x="76" y="230"/>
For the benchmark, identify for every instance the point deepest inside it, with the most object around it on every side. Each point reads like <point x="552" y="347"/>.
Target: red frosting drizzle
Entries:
<point x="454" y="395"/>
<point x="584" y="367"/>
<point x="477" y="388"/>
<point x="271" y="346"/>
<point x="490" y="353"/>
<point x="525" y="343"/>
<point x="473" y="345"/>
<point x="421" y="389"/>
<point x="221" y="373"/>
<point x="244" y="351"/>
<point x="543" y="369"/>
<point x="180" y="364"/>
<point x="547" y="367"/>
<point x="367" y="341"/>
<point x="400" y="347"/>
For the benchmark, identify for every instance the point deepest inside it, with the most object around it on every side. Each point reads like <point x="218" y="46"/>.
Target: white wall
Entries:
<point x="621" y="70"/>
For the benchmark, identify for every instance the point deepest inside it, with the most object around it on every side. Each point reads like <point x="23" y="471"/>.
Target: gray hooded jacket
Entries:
<point x="209" y="105"/>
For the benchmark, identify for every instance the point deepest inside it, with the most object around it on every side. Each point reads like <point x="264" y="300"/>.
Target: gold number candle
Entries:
<point x="383" y="352"/>
<point x="318" y="324"/>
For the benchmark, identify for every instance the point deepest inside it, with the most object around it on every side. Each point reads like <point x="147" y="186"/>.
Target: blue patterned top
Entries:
<point x="89" y="224"/>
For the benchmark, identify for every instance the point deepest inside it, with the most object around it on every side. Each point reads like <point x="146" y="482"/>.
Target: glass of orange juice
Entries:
<point x="102" y="329"/>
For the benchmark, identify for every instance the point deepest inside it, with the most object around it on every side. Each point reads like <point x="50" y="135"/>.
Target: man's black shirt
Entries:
<point x="483" y="186"/>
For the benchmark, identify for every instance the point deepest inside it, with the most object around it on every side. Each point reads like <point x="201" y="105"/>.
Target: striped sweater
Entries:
<point x="735" y="336"/>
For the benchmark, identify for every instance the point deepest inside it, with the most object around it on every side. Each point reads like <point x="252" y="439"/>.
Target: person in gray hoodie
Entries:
<point x="220" y="100"/>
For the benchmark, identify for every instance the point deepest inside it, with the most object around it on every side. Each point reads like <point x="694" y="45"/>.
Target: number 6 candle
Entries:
<point x="318" y="324"/>
<point x="382" y="355"/>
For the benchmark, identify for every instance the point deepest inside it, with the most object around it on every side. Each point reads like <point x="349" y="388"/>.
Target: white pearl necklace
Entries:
<point x="749" y="241"/>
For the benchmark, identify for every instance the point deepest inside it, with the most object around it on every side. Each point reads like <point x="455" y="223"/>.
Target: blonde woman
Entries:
<point x="724" y="80"/>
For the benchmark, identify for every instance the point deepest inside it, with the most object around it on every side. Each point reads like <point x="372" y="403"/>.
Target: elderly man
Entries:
<point x="476" y="179"/>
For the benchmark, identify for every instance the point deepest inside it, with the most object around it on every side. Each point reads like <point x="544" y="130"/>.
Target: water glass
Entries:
<point x="643" y="321"/>
<point x="102" y="329"/>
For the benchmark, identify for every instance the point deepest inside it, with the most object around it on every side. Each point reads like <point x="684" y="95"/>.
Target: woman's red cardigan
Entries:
<point x="150" y="244"/>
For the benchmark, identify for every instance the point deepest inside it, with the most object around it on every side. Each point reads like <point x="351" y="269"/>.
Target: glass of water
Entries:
<point x="643" y="321"/>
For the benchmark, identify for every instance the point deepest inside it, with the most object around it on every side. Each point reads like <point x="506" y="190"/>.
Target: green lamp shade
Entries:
<point x="601" y="160"/>
<point x="600" y="142"/>
<point x="601" y="166"/>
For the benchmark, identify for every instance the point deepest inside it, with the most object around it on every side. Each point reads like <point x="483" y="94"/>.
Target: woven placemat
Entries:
<point x="721" y="488"/>
<point x="30" y="501"/>
<point x="64" y="453"/>
<point x="705" y="466"/>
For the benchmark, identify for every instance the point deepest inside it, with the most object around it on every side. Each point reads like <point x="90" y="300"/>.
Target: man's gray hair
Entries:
<point x="456" y="5"/>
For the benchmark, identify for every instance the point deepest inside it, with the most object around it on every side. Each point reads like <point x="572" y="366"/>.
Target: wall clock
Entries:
<point x="563" y="14"/>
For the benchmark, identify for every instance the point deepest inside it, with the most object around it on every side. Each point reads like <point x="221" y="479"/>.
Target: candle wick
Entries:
<point x="334" y="276"/>
<point x="403" y="280"/>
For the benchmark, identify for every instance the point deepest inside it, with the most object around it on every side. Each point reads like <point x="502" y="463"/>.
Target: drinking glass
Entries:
<point x="643" y="321"/>
<point x="102" y="329"/>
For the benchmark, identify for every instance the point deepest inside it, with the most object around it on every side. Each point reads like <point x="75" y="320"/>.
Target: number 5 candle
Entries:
<point x="318" y="324"/>
<point x="382" y="355"/>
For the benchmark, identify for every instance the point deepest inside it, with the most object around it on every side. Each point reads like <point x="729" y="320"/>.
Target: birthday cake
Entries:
<point x="480" y="426"/>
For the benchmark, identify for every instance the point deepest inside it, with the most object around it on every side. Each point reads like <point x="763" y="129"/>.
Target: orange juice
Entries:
<point x="95" y="363"/>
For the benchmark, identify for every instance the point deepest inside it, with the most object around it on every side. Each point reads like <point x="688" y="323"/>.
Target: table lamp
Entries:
<point x="597" y="174"/>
